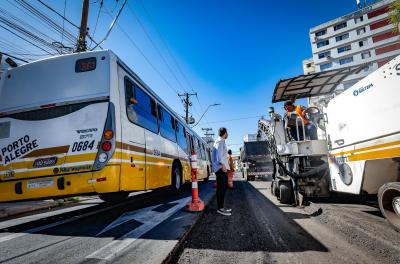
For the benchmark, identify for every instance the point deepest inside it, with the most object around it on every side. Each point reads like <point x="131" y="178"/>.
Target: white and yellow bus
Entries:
<point x="86" y="124"/>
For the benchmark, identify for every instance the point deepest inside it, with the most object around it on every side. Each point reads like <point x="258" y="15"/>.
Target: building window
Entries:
<point x="322" y="43"/>
<point x="325" y="66"/>
<point x="308" y="65"/>
<point x="320" y="33"/>
<point x="358" y="19"/>
<point x="362" y="43"/>
<point x="361" y="31"/>
<point x="344" y="48"/>
<point x="140" y="107"/>
<point x="340" y="26"/>
<point x="346" y="60"/>
<point x="324" y="54"/>
<point x="342" y="37"/>
<point x="366" y="55"/>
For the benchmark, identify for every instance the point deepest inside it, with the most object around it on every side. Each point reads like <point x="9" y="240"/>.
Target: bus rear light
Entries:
<point x="108" y="134"/>
<point x="106" y="146"/>
<point x="103" y="157"/>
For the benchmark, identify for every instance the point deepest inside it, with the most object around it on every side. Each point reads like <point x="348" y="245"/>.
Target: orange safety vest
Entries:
<point x="299" y="113"/>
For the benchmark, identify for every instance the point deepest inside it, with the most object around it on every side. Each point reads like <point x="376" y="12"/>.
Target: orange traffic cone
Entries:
<point x="196" y="205"/>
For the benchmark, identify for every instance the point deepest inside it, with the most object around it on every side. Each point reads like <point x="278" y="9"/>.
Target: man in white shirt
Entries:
<point x="220" y="167"/>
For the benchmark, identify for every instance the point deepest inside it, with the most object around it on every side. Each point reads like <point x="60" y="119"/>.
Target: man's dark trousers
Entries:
<point x="222" y="185"/>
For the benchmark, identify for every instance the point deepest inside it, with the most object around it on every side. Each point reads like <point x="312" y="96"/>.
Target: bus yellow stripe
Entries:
<point x="380" y="154"/>
<point x="384" y="145"/>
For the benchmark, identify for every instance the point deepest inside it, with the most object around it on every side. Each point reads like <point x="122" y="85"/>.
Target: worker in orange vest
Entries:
<point x="310" y="129"/>
<point x="231" y="170"/>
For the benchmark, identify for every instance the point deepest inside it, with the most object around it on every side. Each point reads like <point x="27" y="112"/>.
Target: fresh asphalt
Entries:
<point x="143" y="229"/>
<point x="261" y="230"/>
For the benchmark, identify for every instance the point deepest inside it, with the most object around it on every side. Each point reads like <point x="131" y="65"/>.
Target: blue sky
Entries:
<point x="231" y="52"/>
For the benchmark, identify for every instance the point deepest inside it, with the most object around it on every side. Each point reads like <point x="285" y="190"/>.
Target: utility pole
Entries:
<point x="186" y="104"/>
<point x="81" y="45"/>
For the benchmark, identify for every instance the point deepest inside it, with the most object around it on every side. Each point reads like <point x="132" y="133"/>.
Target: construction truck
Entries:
<point x="256" y="160"/>
<point x="358" y="148"/>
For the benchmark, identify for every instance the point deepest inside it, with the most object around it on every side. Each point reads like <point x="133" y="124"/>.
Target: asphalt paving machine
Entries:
<point x="358" y="145"/>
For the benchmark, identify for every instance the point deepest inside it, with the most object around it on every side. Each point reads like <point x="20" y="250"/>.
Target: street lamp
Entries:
<point x="211" y="105"/>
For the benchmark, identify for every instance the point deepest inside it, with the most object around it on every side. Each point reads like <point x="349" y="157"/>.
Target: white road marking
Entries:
<point x="31" y="218"/>
<point x="147" y="216"/>
<point x="65" y="221"/>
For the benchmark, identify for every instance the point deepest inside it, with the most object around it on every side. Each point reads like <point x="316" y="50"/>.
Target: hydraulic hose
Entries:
<point x="313" y="172"/>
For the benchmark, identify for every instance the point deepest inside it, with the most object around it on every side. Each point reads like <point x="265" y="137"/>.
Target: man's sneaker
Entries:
<point x="227" y="210"/>
<point x="223" y="212"/>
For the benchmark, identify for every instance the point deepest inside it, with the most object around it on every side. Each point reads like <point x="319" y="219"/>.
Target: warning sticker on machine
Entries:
<point x="39" y="184"/>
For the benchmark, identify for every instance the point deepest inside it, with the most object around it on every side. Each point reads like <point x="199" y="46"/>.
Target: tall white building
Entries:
<point x="362" y="37"/>
<point x="308" y="66"/>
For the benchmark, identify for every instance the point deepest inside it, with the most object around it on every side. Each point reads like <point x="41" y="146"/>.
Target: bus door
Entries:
<point x="133" y="134"/>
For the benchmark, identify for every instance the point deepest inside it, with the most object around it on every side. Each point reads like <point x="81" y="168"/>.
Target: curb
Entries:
<point x="177" y="247"/>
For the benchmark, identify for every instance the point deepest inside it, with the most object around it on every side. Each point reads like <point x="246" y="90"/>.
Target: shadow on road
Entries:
<point x="92" y="225"/>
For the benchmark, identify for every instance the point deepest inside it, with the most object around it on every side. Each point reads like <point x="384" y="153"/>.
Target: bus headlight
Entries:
<point x="103" y="157"/>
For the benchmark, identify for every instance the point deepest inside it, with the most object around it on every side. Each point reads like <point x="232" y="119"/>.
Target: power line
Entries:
<point x="111" y="26"/>
<point x="63" y="22"/>
<point x="35" y="18"/>
<point x="11" y="56"/>
<point x="234" y="119"/>
<point x="67" y="20"/>
<point x="26" y="40"/>
<point x="144" y="55"/>
<point x="171" y="55"/>
<point x="155" y="46"/>
<point x="97" y="20"/>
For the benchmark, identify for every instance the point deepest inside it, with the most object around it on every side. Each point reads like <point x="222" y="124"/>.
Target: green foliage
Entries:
<point x="394" y="15"/>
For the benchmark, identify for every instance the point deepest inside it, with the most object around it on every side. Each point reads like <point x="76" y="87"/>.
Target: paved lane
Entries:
<point x="105" y="233"/>
<point x="263" y="231"/>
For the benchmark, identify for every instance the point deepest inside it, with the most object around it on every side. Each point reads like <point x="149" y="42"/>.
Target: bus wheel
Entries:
<point x="389" y="203"/>
<point x="176" y="178"/>
<point x="115" y="197"/>
<point x="286" y="192"/>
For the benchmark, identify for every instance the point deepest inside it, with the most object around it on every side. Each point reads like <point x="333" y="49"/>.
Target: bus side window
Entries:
<point x="140" y="107"/>
<point x="181" y="135"/>
<point x="167" y="127"/>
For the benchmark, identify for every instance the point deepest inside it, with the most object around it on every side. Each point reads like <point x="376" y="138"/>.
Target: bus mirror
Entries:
<point x="133" y="101"/>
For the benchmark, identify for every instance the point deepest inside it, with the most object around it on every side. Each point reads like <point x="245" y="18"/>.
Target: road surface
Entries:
<point x="261" y="230"/>
<point x="143" y="229"/>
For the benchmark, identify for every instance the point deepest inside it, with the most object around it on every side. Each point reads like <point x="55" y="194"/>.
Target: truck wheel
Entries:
<point x="389" y="203"/>
<point x="286" y="193"/>
<point x="176" y="178"/>
<point x="115" y="197"/>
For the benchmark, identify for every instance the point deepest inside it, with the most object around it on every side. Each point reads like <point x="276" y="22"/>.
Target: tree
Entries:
<point x="394" y="15"/>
